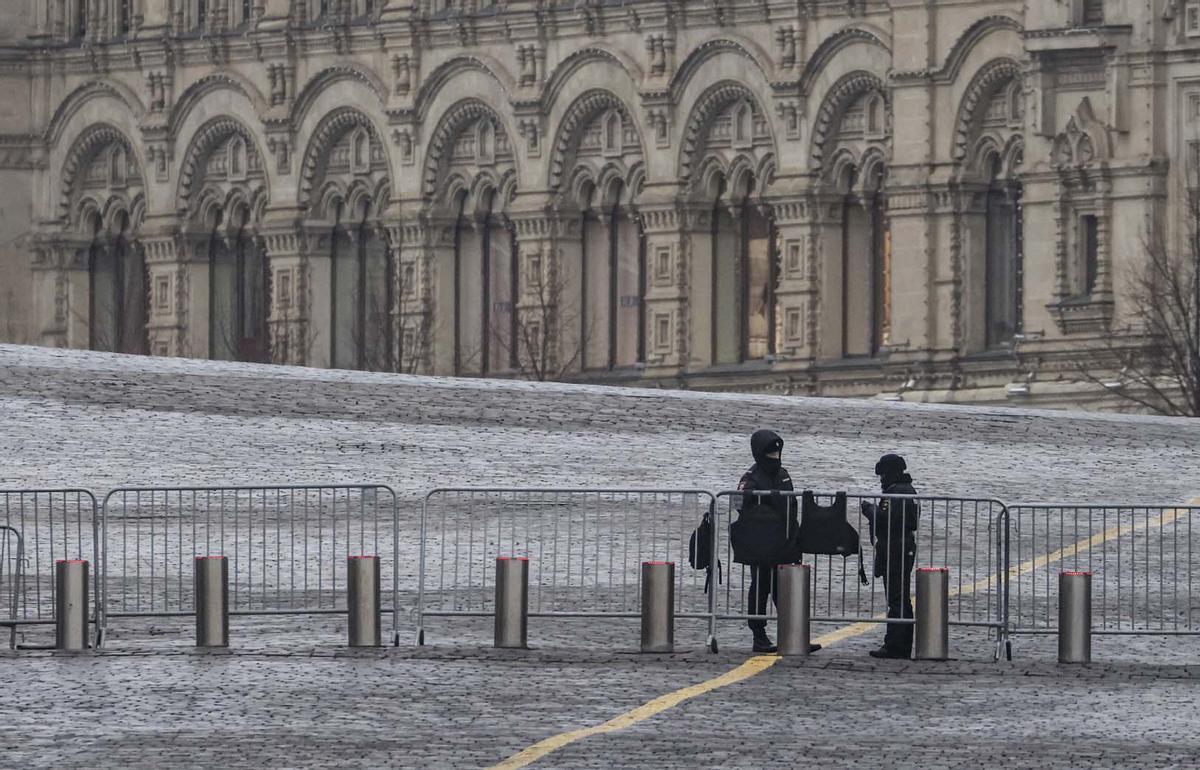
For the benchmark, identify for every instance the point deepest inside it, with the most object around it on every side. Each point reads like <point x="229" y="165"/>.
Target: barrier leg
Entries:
<point x="212" y="601"/>
<point x="512" y="602"/>
<point x="71" y="604"/>
<point x="1075" y="617"/>
<point x="933" y="614"/>
<point x="658" y="606"/>
<point x="792" y="587"/>
<point x="362" y="578"/>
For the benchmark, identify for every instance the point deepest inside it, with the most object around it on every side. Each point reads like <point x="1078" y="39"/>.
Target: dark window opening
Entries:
<point x="1090" y="246"/>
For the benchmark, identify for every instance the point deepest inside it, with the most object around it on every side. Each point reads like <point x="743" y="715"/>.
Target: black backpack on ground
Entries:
<point x="700" y="554"/>
<point x="825" y="530"/>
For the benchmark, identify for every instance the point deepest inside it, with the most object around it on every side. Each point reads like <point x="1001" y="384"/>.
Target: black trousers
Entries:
<point x="762" y="587"/>
<point x="897" y="581"/>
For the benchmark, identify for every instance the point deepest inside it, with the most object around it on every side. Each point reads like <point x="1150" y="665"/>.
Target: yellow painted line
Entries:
<point x="760" y="663"/>
<point x="641" y="713"/>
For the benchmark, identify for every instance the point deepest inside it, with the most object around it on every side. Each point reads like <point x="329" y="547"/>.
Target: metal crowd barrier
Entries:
<point x="12" y="561"/>
<point x="287" y="547"/>
<point x="1145" y="579"/>
<point x="49" y="525"/>
<point x="966" y="535"/>
<point x="585" y="549"/>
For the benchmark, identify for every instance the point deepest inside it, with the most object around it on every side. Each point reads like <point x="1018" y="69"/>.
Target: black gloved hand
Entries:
<point x="867" y="508"/>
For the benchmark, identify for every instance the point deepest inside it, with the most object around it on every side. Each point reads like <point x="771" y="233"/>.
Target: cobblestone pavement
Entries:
<point x="291" y="696"/>
<point x="456" y="707"/>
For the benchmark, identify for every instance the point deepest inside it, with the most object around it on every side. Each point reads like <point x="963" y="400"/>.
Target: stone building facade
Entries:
<point x="919" y="199"/>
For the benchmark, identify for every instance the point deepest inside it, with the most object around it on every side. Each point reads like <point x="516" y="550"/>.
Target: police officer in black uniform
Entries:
<point x="767" y="524"/>
<point x="894" y="533"/>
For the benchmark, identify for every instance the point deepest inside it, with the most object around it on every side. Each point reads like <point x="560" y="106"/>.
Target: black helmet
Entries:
<point x="890" y="465"/>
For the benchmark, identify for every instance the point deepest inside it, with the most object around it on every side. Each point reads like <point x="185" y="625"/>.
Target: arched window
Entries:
<point x="116" y="167"/>
<point x="613" y="283"/>
<point x="81" y="18"/>
<point x="124" y="19"/>
<point x="104" y="291"/>
<point x="742" y="124"/>
<point x="239" y="292"/>
<point x="361" y="293"/>
<point x="1003" y="257"/>
<point x="237" y="159"/>
<point x="117" y="296"/>
<point x="612" y="133"/>
<point x="360" y="152"/>
<point x="743" y="276"/>
<point x="757" y="242"/>
<point x="866" y="264"/>
<point x="485" y="269"/>
<point x="485" y="142"/>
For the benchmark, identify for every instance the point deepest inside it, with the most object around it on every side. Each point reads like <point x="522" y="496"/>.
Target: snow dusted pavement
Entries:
<point x="101" y="420"/>
<point x="288" y="695"/>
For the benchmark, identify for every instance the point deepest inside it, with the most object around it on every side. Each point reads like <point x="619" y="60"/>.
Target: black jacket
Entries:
<point x="767" y="526"/>
<point x="894" y="525"/>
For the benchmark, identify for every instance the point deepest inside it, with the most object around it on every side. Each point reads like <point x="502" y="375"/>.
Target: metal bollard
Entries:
<point x="792" y="586"/>
<point x="512" y="602"/>
<point x="212" y="601"/>
<point x="71" y="604"/>
<point x="362" y="579"/>
<point x="1075" y="617"/>
<point x="658" y="606"/>
<point x="933" y="614"/>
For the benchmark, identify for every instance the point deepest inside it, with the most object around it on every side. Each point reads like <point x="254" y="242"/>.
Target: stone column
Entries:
<point x="297" y="337"/>
<point x="669" y="248"/>
<point x="176" y="263"/>
<point x="825" y="313"/>
<point x="419" y="277"/>
<point x="544" y="348"/>
<point x="797" y="285"/>
<point x="61" y="291"/>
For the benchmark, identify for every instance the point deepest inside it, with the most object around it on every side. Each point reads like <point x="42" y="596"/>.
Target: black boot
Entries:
<point x="762" y="642"/>
<point x="885" y="652"/>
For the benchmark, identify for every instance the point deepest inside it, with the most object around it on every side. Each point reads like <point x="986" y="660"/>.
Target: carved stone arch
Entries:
<point x="485" y="183"/>
<point x="700" y="125"/>
<point x="992" y="77"/>
<point x="711" y="179"/>
<point x="580" y="187"/>
<point x="636" y="182"/>
<point x="215" y="81"/>
<point x="336" y="127"/>
<point x="984" y="149"/>
<point x="444" y="72"/>
<point x="970" y="38"/>
<point x="841" y="165"/>
<point x="741" y="179"/>
<point x="723" y="44"/>
<point x="77" y="168"/>
<point x="764" y="174"/>
<point x="199" y="159"/>
<point x="1014" y="155"/>
<point x="611" y="181"/>
<point x="84" y="94"/>
<point x="112" y="208"/>
<point x="329" y="76"/>
<point x="872" y="165"/>
<point x="830" y="47"/>
<point x="577" y="120"/>
<point x="576" y="60"/>
<point x="463" y="115"/>
<point x="841" y="96"/>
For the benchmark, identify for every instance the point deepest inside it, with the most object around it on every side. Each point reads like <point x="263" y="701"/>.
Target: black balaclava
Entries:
<point x="762" y="443"/>
<point x="891" y="470"/>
